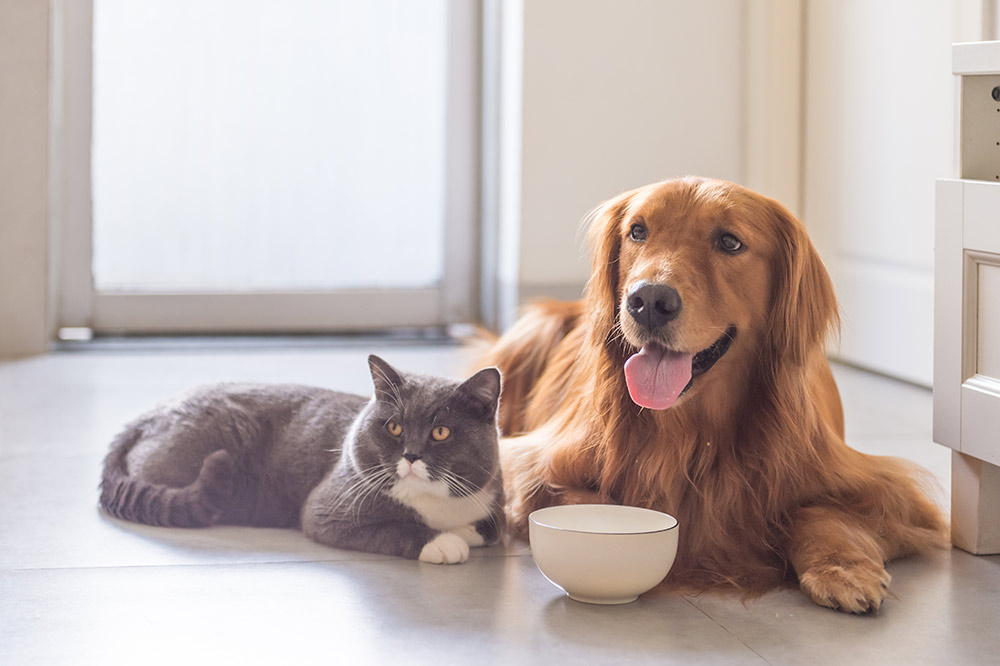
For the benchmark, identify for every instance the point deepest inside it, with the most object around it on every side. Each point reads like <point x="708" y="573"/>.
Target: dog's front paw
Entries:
<point x="470" y="535"/>
<point x="857" y="587"/>
<point x="445" y="548"/>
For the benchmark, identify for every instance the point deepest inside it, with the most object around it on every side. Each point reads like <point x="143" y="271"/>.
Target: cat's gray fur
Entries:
<point x="298" y="456"/>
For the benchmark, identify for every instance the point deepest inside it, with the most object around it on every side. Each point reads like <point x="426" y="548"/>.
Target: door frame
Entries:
<point x="77" y="304"/>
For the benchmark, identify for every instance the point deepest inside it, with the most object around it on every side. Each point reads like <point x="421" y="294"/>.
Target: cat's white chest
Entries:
<point x="437" y="509"/>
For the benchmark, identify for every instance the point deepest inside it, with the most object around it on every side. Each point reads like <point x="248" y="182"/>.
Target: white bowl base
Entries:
<point x="604" y="601"/>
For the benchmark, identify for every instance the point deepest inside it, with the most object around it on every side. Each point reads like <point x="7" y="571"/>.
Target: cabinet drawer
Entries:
<point x="981" y="228"/>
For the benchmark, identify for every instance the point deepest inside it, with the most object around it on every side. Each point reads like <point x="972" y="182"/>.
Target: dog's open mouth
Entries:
<point x="657" y="376"/>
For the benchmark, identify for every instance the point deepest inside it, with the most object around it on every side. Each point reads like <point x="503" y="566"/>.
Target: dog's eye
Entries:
<point x="730" y="243"/>
<point x="637" y="232"/>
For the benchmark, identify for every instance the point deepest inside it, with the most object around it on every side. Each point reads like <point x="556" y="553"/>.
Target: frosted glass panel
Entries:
<point x="261" y="145"/>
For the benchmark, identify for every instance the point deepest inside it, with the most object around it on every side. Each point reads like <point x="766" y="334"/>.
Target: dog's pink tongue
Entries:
<point x="656" y="377"/>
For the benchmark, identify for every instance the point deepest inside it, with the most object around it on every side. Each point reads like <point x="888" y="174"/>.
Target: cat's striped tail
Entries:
<point x="199" y="504"/>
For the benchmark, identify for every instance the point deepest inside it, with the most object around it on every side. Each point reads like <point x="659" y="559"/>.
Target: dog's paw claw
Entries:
<point x="858" y="587"/>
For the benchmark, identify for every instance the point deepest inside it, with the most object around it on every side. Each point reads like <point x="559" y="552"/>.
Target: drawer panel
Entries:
<point x="981" y="230"/>
<point x="981" y="419"/>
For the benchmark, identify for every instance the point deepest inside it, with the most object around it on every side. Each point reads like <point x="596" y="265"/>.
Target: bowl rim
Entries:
<point x="532" y="518"/>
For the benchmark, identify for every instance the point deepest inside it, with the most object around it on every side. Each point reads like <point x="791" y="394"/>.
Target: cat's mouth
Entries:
<point x="416" y="470"/>
<point x="414" y="478"/>
<point x="413" y="481"/>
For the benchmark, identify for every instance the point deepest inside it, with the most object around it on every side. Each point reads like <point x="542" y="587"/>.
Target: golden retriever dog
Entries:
<point x="692" y="379"/>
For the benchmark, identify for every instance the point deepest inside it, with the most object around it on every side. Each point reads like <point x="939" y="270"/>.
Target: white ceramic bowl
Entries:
<point x="603" y="553"/>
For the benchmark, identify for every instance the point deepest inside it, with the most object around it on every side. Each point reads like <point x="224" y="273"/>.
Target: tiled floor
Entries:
<point x="79" y="588"/>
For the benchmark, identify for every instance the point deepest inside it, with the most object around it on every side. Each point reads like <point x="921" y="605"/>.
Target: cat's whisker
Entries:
<point x="373" y="488"/>
<point x="486" y="508"/>
<point x="346" y="496"/>
<point x="361" y="481"/>
<point x="457" y="484"/>
<point x="493" y="474"/>
<point x="368" y="479"/>
<point x="359" y="499"/>
<point x="463" y="489"/>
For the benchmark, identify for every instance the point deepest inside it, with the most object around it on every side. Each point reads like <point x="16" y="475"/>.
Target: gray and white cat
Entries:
<point x="413" y="471"/>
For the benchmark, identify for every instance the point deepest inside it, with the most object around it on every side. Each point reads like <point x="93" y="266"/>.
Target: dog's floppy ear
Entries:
<point x="604" y="239"/>
<point x="804" y="306"/>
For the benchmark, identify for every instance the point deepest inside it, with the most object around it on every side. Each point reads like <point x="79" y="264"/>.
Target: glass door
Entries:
<point x="258" y="165"/>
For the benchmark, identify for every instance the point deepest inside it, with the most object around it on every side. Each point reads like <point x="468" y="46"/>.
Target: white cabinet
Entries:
<point x="967" y="306"/>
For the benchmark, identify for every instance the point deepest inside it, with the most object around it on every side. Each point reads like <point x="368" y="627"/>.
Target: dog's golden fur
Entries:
<point x="752" y="459"/>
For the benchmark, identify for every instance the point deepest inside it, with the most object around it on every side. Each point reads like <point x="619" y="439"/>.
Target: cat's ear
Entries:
<point x="483" y="390"/>
<point x="385" y="378"/>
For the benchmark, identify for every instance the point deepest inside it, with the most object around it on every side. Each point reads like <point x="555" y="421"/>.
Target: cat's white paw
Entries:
<point x="470" y="535"/>
<point x="445" y="548"/>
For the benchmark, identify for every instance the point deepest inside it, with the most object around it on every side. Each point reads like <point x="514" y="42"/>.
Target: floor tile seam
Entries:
<point x="726" y="629"/>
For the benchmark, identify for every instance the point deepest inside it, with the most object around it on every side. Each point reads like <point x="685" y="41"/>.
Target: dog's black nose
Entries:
<point x="653" y="305"/>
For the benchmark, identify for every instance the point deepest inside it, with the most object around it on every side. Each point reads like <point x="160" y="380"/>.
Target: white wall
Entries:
<point x="600" y="97"/>
<point x="24" y="67"/>
<point x="880" y="128"/>
<point x="772" y="108"/>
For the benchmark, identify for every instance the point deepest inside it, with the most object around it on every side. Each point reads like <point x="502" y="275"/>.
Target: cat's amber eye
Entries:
<point x="441" y="433"/>
<point x="394" y="428"/>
